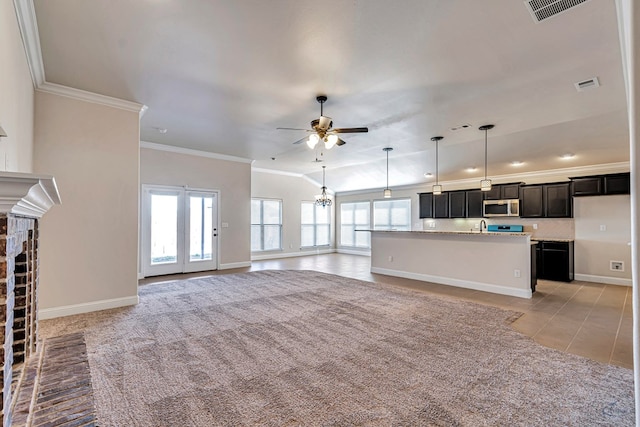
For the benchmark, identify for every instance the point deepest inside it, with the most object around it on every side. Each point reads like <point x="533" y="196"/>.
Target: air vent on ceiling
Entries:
<point x="587" y="84"/>
<point x="543" y="9"/>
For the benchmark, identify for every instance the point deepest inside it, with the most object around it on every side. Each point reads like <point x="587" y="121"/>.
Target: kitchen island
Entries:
<point x="495" y="262"/>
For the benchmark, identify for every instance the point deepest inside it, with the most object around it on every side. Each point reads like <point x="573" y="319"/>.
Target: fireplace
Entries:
<point x="24" y="198"/>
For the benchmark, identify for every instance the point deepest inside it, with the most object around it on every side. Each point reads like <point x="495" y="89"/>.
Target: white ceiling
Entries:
<point x="222" y="75"/>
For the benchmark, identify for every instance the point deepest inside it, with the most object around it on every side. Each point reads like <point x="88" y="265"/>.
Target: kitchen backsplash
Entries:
<point x="546" y="228"/>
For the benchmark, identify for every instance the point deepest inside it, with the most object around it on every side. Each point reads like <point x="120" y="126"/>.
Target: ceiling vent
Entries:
<point x="543" y="9"/>
<point x="587" y="84"/>
<point x="460" y="127"/>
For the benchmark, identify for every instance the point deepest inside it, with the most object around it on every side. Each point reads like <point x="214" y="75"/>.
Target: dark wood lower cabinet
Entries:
<point x="554" y="261"/>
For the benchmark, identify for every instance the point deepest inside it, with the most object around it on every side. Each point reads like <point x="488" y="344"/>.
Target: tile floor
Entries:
<point x="588" y="319"/>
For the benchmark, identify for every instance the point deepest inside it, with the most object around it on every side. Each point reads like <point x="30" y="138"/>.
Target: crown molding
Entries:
<point x="95" y="98"/>
<point x="276" y="172"/>
<point x="191" y="152"/>
<point x="27" y="194"/>
<point x="515" y="177"/>
<point x="26" y="14"/>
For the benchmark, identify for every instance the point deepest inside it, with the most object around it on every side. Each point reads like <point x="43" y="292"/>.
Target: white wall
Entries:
<point x="89" y="247"/>
<point x="16" y="96"/>
<point x="231" y="179"/>
<point x="594" y="249"/>
<point x="292" y="190"/>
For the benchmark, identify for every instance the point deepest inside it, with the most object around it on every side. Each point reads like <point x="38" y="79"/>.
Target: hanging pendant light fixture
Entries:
<point x="387" y="190"/>
<point x="485" y="184"/>
<point x="323" y="199"/>
<point x="437" y="188"/>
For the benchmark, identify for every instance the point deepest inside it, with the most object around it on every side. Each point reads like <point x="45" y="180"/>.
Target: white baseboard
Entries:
<point x="468" y="284"/>
<point x="68" y="310"/>
<point x="231" y="265"/>
<point x="292" y="254"/>
<point x="354" y="252"/>
<point x="603" y="279"/>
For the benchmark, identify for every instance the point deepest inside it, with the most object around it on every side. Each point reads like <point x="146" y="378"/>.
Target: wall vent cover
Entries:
<point x="587" y="84"/>
<point x="544" y="9"/>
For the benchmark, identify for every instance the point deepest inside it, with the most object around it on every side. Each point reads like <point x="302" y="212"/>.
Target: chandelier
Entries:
<point x="323" y="199"/>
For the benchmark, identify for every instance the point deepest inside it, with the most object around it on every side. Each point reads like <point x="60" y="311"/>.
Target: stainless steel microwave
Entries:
<point x="510" y="207"/>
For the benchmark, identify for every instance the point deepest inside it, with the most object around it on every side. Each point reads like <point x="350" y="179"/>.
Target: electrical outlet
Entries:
<point x="516" y="273"/>
<point x="476" y="226"/>
<point x="603" y="227"/>
<point x="432" y="225"/>
<point x="616" y="265"/>
<point x="390" y="258"/>
<point x="535" y="226"/>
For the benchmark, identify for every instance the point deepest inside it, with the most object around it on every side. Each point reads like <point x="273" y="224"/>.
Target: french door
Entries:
<point x="179" y="230"/>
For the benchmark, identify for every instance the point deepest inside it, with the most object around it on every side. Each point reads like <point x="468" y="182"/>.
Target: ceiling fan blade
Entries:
<point x="306" y="130"/>
<point x="324" y="122"/>
<point x="340" y="142"/>
<point x="301" y="140"/>
<point x="351" y="130"/>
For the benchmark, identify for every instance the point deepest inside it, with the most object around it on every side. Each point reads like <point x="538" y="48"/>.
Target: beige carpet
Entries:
<point x="302" y="348"/>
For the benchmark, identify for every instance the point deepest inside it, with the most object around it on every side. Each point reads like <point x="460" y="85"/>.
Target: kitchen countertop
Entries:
<point x="550" y="239"/>
<point x="471" y="233"/>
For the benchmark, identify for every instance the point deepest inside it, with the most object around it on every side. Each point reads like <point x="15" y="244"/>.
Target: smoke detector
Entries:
<point x="544" y="9"/>
<point x="587" y="84"/>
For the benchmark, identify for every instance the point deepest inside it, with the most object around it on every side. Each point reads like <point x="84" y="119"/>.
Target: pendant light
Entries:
<point x="437" y="188"/>
<point x="323" y="199"/>
<point x="485" y="184"/>
<point x="387" y="190"/>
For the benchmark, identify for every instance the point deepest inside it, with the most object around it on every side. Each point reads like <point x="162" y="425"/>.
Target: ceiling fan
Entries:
<point x="321" y="130"/>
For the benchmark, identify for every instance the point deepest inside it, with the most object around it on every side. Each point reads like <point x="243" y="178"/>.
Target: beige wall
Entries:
<point x="89" y="246"/>
<point x="292" y="190"/>
<point x="594" y="249"/>
<point x="231" y="179"/>
<point x="16" y="96"/>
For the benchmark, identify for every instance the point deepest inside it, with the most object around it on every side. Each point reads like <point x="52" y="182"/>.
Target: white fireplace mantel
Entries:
<point x="27" y="194"/>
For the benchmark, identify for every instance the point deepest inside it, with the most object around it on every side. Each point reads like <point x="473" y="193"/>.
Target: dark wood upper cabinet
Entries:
<point x="441" y="205"/>
<point x="457" y="204"/>
<point x="503" y="191"/>
<point x="426" y="205"/>
<point x="531" y="201"/>
<point x="557" y="200"/>
<point x="474" y="203"/>
<point x="617" y="183"/>
<point x="598" y="185"/>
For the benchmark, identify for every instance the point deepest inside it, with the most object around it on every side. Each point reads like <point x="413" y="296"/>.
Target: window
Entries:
<point x="392" y="214"/>
<point x="266" y="225"/>
<point x="355" y="216"/>
<point x="316" y="225"/>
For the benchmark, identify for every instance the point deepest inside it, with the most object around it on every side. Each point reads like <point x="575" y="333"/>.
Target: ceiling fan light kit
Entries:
<point x="321" y="130"/>
<point x="485" y="184"/>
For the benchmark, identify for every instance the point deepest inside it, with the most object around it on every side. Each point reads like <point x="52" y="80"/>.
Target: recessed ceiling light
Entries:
<point x="517" y="163"/>
<point x="428" y="174"/>
<point x="471" y="169"/>
<point x="567" y="156"/>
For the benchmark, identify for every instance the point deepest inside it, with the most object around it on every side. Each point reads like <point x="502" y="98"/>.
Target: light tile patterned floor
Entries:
<point x="588" y="319"/>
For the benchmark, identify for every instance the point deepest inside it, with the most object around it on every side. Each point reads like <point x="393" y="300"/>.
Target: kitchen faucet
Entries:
<point x="483" y="225"/>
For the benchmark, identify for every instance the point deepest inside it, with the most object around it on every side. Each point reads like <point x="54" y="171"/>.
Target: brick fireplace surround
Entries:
<point x="24" y="198"/>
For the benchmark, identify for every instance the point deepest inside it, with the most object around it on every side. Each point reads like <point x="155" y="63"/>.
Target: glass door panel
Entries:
<point x="203" y="231"/>
<point x="164" y="229"/>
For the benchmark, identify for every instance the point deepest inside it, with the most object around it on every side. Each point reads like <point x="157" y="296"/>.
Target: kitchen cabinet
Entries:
<point x="617" y="183"/>
<point x="598" y="185"/>
<point x="554" y="261"/>
<point x="474" y="203"/>
<point x="546" y="200"/>
<point x="531" y="201"/>
<point x="457" y="204"/>
<point x="426" y="205"/>
<point x="503" y="192"/>
<point x="441" y="205"/>
<point x="557" y="200"/>
<point x="587" y="186"/>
